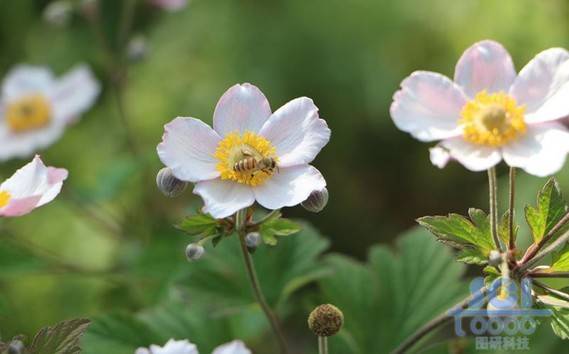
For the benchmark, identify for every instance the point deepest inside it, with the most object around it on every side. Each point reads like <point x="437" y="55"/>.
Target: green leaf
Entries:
<point x="560" y="322"/>
<point x="560" y="260"/>
<point x="473" y="237"/>
<point x="408" y="287"/>
<point x="63" y="338"/>
<point x="275" y="227"/>
<point x="199" y="225"/>
<point x="549" y="210"/>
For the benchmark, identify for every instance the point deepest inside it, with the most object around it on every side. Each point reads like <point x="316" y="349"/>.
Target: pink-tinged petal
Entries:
<point x="30" y="180"/>
<point x="241" y="108"/>
<point x="235" y="347"/>
<point x="224" y="198"/>
<point x="428" y="106"/>
<point x="55" y="178"/>
<point x="74" y="93"/>
<point x="296" y="131"/>
<point x="25" y="144"/>
<point x="289" y="187"/>
<point x="541" y="151"/>
<point x="473" y="157"/>
<point x="543" y="86"/>
<point x="486" y="66"/>
<point x="439" y="156"/>
<point x="187" y="147"/>
<point x="25" y="80"/>
<point x="20" y="206"/>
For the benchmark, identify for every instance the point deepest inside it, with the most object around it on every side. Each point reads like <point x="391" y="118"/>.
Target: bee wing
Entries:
<point x="248" y="151"/>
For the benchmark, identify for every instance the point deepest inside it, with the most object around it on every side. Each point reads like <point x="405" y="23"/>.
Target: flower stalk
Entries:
<point x="240" y="226"/>
<point x="493" y="189"/>
<point x="322" y="345"/>
<point x="512" y="198"/>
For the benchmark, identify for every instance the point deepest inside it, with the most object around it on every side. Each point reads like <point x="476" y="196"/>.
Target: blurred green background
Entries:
<point x="107" y="243"/>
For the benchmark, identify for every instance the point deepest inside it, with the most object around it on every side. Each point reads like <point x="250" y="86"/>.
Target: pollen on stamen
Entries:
<point x="235" y="147"/>
<point x="492" y="119"/>
<point x="4" y="198"/>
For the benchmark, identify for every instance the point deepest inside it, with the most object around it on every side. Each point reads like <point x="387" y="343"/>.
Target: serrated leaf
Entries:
<point x="202" y="225"/>
<point x="560" y="322"/>
<point x="549" y="210"/>
<point x="560" y="260"/>
<point x="491" y="275"/>
<point x="62" y="338"/>
<point x="277" y="227"/>
<point x="473" y="237"/>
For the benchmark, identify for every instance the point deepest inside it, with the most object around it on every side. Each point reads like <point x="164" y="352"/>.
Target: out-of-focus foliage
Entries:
<point x="108" y="244"/>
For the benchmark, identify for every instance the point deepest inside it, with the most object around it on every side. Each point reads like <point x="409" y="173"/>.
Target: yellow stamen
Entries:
<point x="4" y="198"/>
<point x="234" y="148"/>
<point x="492" y="119"/>
<point x="28" y="113"/>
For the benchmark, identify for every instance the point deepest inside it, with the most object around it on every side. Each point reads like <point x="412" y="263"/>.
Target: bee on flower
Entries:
<point x="489" y="113"/>
<point x="30" y="187"/>
<point x="185" y="347"/>
<point x="251" y="154"/>
<point x="36" y="107"/>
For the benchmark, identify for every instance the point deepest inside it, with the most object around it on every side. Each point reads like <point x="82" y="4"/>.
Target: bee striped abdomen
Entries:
<point x="245" y="165"/>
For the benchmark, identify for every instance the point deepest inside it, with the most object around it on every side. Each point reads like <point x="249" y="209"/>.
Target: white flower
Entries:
<point x="35" y="107"/>
<point x="185" y="347"/>
<point x="489" y="112"/>
<point x="170" y="5"/>
<point x="30" y="187"/>
<point x="220" y="160"/>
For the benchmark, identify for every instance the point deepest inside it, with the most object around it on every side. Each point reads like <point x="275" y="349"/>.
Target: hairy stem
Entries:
<point x="549" y="275"/>
<point x="530" y="261"/>
<point x="493" y="189"/>
<point x="532" y="251"/>
<point x="260" y="297"/>
<point x="322" y="345"/>
<point x="551" y="291"/>
<point x="439" y="321"/>
<point x="512" y="238"/>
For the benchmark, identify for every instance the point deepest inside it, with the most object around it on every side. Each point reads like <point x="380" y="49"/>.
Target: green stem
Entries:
<point x="240" y="224"/>
<point x="322" y="345"/>
<point x="529" y="261"/>
<point x="512" y="238"/>
<point x="493" y="188"/>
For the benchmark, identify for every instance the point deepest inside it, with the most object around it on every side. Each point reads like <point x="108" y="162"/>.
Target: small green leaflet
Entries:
<point x="203" y="226"/>
<point x="560" y="260"/>
<point x="472" y="237"/>
<point x="549" y="210"/>
<point x="560" y="322"/>
<point x="277" y="226"/>
<point x="62" y="338"/>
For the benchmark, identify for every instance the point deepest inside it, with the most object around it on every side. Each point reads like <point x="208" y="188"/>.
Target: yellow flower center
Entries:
<point x="246" y="158"/>
<point x="492" y="119"/>
<point x="28" y="113"/>
<point x="4" y="198"/>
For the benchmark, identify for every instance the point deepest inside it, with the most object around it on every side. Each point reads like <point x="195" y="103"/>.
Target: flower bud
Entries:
<point x="326" y="320"/>
<point x="494" y="258"/>
<point x="168" y="184"/>
<point x="316" y="201"/>
<point x="58" y="13"/>
<point x="252" y="240"/>
<point x="194" y="252"/>
<point x="16" y="347"/>
<point x="137" y="48"/>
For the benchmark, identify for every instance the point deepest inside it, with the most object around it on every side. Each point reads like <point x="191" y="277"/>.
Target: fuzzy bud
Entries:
<point x="137" y="48"/>
<point x="58" y="13"/>
<point x="252" y="240"/>
<point x="16" y="347"/>
<point x="168" y="184"/>
<point x="494" y="258"/>
<point x="325" y="320"/>
<point x="194" y="252"/>
<point x="316" y="201"/>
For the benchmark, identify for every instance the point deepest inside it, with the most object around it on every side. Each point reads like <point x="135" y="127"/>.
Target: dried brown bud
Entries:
<point x="326" y="320"/>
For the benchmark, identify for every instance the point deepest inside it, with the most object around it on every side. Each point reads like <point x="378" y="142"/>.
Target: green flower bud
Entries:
<point x="326" y="320"/>
<point x="168" y="184"/>
<point x="194" y="252"/>
<point x="316" y="201"/>
<point x="252" y="240"/>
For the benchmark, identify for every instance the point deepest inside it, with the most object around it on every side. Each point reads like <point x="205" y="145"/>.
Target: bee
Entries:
<point x="253" y="163"/>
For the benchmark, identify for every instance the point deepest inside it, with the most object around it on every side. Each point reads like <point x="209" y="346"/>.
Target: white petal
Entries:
<point x="543" y="86"/>
<point x="187" y="147"/>
<point x="428" y="106"/>
<point x="175" y="347"/>
<point x="241" y="108"/>
<point x="235" y="347"/>
<point x="486" y="65"/>
<point x="541" y="151"/>
<point x="297" y="132"/>
<point x="288" y="187"/>
<point x="473" y="157"/>
<point x="55" y="178"/>
<point x="26" y="79"/>
<point x="74" y="93"/>
<point x="439" y="156"/>
<point x="224" y="198"/>
<point x="25" y="144"/>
